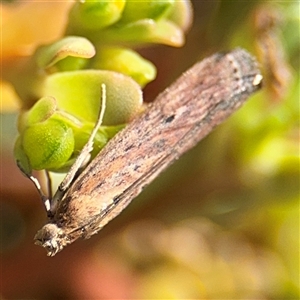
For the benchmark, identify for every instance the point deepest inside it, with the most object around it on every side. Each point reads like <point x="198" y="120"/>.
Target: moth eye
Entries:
<point x="49" y="247"/>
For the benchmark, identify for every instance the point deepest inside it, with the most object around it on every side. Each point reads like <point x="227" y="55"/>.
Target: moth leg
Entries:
<point x="34" y="180"/>
<point x="83" y="156"/>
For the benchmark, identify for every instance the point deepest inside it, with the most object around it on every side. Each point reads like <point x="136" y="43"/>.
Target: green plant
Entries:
<point x="63" y="78"/>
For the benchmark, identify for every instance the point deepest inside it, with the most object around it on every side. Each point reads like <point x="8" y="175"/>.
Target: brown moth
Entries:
<point x="182" y="115"/>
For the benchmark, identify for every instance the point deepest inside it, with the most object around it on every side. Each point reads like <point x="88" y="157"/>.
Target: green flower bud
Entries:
<point x="48" y="145"/>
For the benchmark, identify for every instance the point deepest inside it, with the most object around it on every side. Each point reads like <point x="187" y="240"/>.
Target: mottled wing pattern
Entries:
<point x="179" y="118"/>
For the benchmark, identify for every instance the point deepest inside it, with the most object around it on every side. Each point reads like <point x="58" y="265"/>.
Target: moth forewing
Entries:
<point x="177" y="120"/>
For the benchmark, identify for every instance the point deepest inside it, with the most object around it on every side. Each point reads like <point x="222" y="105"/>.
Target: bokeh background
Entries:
<point x="221" y="223"/>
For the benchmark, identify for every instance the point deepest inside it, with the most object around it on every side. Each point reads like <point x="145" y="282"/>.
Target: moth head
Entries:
<point x="51" y="238"/>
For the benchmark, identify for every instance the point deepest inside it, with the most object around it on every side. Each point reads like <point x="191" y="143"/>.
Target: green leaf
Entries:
<point x="104" y="134"/>
<point x="41" y="111"/>
<point x="145" y="31"/>
<point x="127" y="62"/>
<point x="140" y="9"/>
<point x="182" y="14"/>
<point x="73" y="46"/>
<point x="79" y="94"/>
<point x="94" y="15"/>
<point x="21" y="157"/>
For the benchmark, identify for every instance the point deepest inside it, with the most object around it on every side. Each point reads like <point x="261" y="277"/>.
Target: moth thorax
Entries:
<point x="51" y="238"/>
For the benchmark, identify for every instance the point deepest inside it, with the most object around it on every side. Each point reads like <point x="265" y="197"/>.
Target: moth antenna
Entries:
<point x="83" y="156"/>
<point x="49" y="184"/>
<point x="43" y="197"/>
<point x="34" y="180"/>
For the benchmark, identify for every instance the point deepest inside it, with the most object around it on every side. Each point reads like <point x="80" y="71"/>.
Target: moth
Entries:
<point x="182" y="115"/>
